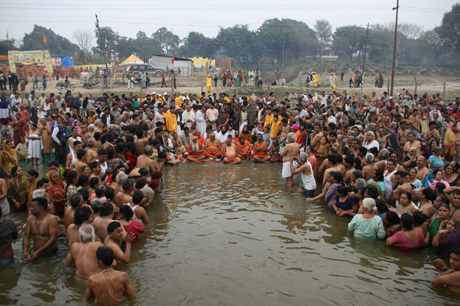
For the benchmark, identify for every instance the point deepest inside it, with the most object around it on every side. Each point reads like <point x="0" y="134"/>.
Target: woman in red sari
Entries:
<point x="131" y="158"/>
<point x="19" y="129"/>
<point x="56" y="192"/>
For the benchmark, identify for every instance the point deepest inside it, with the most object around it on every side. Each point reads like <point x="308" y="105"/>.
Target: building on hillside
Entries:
<point x="181" y="65"/>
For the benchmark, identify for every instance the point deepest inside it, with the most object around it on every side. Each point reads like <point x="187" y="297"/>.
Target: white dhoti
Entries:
<point x="286" y="172"/>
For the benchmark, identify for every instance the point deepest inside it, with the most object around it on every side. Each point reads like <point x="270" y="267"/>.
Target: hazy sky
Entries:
<point x="184" y="16"/>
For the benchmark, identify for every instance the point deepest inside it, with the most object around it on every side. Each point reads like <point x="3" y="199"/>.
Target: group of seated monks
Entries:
<point x="232" y="151"/>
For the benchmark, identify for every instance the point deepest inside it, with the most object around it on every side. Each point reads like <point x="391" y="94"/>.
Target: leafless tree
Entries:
<point x="84" y="39"/>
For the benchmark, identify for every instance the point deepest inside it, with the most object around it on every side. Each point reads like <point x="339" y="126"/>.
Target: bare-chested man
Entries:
<point x="126" y="196"/>
<point x="402" y="135"/>
<point x="349" y="163"/>
<point x="230" y="152"/>
<point x="141" y="141"/>
<point x="116" y="238"/>
<point x="76" y="201"/>
<point x="288" y="153"/>
<point x="334" y="166"/>
<point x="82" y="216"/>
<point x="318" y="135"/>
<point x="451" y="277"/>
<point x="81" y="162"/>
<point x="82" y="255"/>
<point x="91" y="154"/>
<point x="275" y="151"/>
<point x="368" y="169"/>
<point x="422" y="169"/>
<point x="145" y="160"/>
<point x="42" y="228"/>
<point x="109" y="286"/>
<point x="285" y="129"/>
<point x="100" y="223"/>
<point x="382" y="156"/>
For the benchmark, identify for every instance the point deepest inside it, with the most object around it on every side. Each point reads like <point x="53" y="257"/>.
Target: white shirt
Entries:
<point x="373" y="144"/>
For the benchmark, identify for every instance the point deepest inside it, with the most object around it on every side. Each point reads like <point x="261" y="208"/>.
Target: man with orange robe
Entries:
<point x="260" y="150"/>
<point x="212" y="147"/>
<point x="244" y="148"/>
<point x="195" y="150"/>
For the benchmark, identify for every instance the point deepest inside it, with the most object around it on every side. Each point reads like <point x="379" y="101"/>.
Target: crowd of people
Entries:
<point x="387" y="163"/>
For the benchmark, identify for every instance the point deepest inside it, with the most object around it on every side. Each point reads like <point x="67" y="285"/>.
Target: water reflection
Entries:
<point x="235" y="235"/>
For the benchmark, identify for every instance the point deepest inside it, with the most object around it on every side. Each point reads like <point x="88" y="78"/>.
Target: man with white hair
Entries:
<point x="370" y="141"/>
<point x="307" y="178"/>
<point x="288" y="153"/>
<point x="82" y="255"/>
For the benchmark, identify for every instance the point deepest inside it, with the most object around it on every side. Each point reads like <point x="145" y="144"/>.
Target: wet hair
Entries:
<point x="357" y="174"/>
<point x="333" y="159"/>
<point x="140" y="183"/>
<point x="381" y="206"/>
<point x="80" y="153"/>
<point x="137" y="197"/>
<point x="75" y="200"/>
<point x="148" y="150"/>
<point x="102" y="152"/>
<point x="144" y="171"/>
<point x="440" y="187"/>
<point x="54" y="163"/>
<point x="162" y="154"/>
<point x="419" y="218"/>
<point x="430" y="194"/>
<point x="85" y="235"/>
<point x="113" y="226"/>
<point x="127" y="212"/>
<point x="392" y="218"/>
<point x="338" y="177"/>
<point x="109" y="193"/>
<point x="81" y="215"/>
<point x="96" y="205"/>
<point x="373" y="193"/>
<point x="456" y="251"/>
<point x="33" y="173"/>
<point x="409" y="195"/>
<point x="70" y="177"/>
<point x="127" y="184"/>
<point x="105" y="254"/>
<point x="106" y="209"/>
<point x="41" y="202"/>
<point x="369" y="205"/>
<point x="94" y="165"/>
<point x="100" y="190"/>
<point x="85" y="193"/>
<point x="407" y="221"/>
<point x="342" y="190"/>
<point x="13" y="170"/>
<point x="360" y="183"/>
<point x="93" y="182"/>
<point x="82" y="180"/>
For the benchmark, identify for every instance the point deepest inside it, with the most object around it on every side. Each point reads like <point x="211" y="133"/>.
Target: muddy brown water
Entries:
<point x="236" y="235"/>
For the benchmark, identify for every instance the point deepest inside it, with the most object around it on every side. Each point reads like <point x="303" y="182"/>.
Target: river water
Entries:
<point x="236" y="235"/>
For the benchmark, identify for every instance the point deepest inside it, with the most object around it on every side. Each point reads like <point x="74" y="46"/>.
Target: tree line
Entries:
<point x="280" y="41"/>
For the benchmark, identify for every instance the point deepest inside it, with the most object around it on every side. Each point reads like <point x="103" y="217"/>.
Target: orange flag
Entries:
<point x="118" y="60"/>
<point x="75" y="53"/>
<point x="106" y="54"/>
<point x="173" y="59"/>
<point x="44" y="38"/>
<point x="7" y="36"/>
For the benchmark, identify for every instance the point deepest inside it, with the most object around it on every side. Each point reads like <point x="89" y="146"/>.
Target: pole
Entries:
<point x="364" y="59"/>
<point x="102" y="44"/>
<point x="393" y="66"/>
<point x="415" y="80"/>
<point x="444" y="91"/>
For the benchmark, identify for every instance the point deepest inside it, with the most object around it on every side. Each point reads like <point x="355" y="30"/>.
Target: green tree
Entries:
<point x="324" y="33"/>
<point x="167" y="41"/>
<point x="6" y="45"/>
<point x="196" y="44"/>
<point x="235" y="42"/>
<point x="449" y="30"/>
<point x="429" y="46"/>
<point x="348" y="40"/>
<point x="56" y="43"/>
<point x="110" y="39"/>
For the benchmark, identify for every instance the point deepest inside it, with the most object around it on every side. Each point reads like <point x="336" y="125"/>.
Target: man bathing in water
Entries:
<point x="42" y="228"/>
<point x="109" y="286"/>
<point x="290" y="151"/>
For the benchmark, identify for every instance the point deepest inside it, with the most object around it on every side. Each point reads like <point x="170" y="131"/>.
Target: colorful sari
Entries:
<point x="56" y="193"/>
<point x="7" y="163"/>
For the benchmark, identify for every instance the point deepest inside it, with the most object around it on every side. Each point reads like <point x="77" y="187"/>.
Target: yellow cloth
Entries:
<point x="7" y="164"/>
<point x="275" y="128"/>
<point x="268" y="120"/>
<point x="315" y="80"/>
<point x="335" y="82"/>
<point x="209" y="83"/>
<point x="171" y="122"/>
<point x="179" y="101"/>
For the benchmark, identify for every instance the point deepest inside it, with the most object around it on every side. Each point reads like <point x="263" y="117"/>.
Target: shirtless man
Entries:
<point x="285" y="129"/>
<point x="157" y="173"/>
<point x="411" y="143"/>
<point x="453" y="194"/>
<point x="82" y="255"/>
<point x="288" y="153"/>
<point x="422" y="169"/>
<point x="349" y="163"/>
<point x="368" y="169"/>
<point x="212" y="147"/>
<point x="115" y="239"/>
<point x="109" y="286"/>
<point x="122" y="198"/>
<point x="4" y="205"/>
<point x="451" y="277"/>
<point x="82" y="216"/>
<point x="402" y="137"/>
<point x="81" y="162"/>
<point x="141" y="141"/>
<point x="318" y="135"/>
<point x="8" y="232"/>
<point x="91" y="154"/>
<point x="144" y="160"/>
<point x="275" y="151"/>
<point x="76" y="201"/>
<point x="100" y="223"/>
<point x="72" y="158"/>
<point x="230" y="152"/>
<point x="43" y="228"/>
<point x="334" y="166"/>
